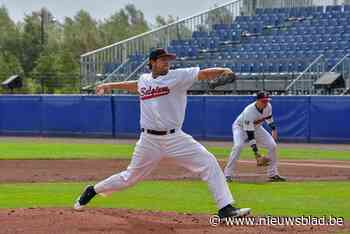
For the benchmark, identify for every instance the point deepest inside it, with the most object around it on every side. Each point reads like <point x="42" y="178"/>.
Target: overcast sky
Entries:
<point x="101" y="9"/>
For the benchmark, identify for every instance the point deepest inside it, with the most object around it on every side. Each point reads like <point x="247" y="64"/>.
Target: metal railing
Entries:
<point x="94" y="62"/>
<point x="304" y="83"/>
<point x="343" y="68"/>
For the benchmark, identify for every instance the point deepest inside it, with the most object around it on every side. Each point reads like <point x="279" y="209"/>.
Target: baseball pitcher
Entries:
<point x="247" y="128"/>
<point x="163" y="99"/>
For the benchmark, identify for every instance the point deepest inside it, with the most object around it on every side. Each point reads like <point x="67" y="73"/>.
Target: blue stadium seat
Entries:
<point x="259" y="11"/>
<point x="235" y="55"/>
<point x="337" y="8"/>
<point x="343" y="21"/>
<point x="301" y="66"/>
<point x="245" y="56"/>
<point x="236" y="67"/>
<point x="243" y="18"/>
<point x="333" y="22"/>
<point x="274" y="50"/>
<point x="199" y="34"/>
<point x="290" y="39"/>
<point x="110" y="67"/>
<point x="324" y="22"/>
<point x="309" y="54"/>
<point x="340" y="53"/>
<point x="330" y="63"/>
<point x="344" y="45"/>
<point x="255" y="55"/>
<point x="314" y="45"/>
<point x="332" y="30"/>
<point x="220" y="26"/>
<point x="192" y="51"/>
<point x="339" y="29"/>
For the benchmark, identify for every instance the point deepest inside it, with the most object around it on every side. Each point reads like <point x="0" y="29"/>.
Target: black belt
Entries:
<point x="159" y="133"/>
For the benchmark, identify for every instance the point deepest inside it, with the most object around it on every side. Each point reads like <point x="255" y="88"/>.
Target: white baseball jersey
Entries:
<point x="163" y="104"/>
<point x="251" y="118"/>
<point x="163" y="100"/>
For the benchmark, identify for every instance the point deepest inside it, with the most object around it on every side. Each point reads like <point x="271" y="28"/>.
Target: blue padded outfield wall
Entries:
<point x="298" y="118"/>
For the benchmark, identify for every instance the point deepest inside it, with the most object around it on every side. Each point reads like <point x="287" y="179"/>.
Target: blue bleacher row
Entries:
<point x="277" y="41"/>
<point x="133" y="62"/>
<point x="333" y="49"/>
<point x="246" y="65"/>
<point x="269" y="66"/>
<point x="304" y="11"/>
<point x="314" y="38"/>
<point x="323" y="36"/>
<point x="332" y="25"/>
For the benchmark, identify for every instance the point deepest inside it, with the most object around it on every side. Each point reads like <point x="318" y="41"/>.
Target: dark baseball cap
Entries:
<point x="262" y="95"/>
<point x="160" y="52"/>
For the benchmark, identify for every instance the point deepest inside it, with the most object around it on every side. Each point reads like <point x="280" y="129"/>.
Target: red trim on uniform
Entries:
<point x="153" y="92"/>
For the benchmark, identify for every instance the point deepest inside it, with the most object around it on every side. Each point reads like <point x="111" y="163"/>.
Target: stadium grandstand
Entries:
<point x="287" y="47"/>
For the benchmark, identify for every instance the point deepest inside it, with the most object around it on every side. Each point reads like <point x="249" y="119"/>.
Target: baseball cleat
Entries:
<point x="229" y="179"/>
<point x="277" y="178"/>
<point x="85" y="197"/>
<point x="230" y="211"/>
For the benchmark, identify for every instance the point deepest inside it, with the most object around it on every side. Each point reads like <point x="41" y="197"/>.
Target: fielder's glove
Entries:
<point x="261" y="161"/>
<point x="222" y="80"/>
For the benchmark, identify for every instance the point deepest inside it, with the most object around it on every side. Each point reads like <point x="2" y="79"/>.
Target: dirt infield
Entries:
<point x="67" y="220"/>
<point x="86" y="170"/>
<point x="64" y="221"/>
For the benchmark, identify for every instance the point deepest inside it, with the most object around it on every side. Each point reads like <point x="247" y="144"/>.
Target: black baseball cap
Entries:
<point x="262" y="95"/>
<point x="160" y="52"/>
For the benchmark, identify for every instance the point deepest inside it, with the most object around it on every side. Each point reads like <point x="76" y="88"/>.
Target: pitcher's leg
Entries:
<point x="145" y="158"/>
<point x="265" y="139"/>
<point x="193" y="156"/>
<point x="239" y="137"/>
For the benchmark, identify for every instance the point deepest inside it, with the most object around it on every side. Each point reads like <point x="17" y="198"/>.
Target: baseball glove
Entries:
<point x="222" y="80"/>
<point x="262" y="161"/>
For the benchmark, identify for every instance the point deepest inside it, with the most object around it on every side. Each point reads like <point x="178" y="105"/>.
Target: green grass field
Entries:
<point x="47" y="150"/>
<point x="277" y="199"/>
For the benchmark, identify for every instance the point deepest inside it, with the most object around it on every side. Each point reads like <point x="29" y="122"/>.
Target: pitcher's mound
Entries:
<point x="91" y="220"/>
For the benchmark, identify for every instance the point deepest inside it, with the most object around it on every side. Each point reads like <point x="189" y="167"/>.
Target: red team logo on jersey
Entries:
<point x="148" y="93"/>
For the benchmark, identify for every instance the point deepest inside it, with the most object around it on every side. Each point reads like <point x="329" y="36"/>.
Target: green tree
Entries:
<point x="161" y="21"/>
<point x="9" y="65"/>
<point x="31" y="42"/>
<point x="10" y="35"/>
<point x="45" y="72"/>
<point x="80" y="34"/>
<point x="9" y="49"/>
<point x="68" y="71"/>
<point x="123" y="24"/>
<point x="220" y="16"/>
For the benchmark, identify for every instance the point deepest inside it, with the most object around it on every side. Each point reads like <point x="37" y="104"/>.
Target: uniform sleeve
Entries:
<point x="186" y="77"/>
<point x="269" y="120"/>
<point x="248" y="121"/>
<point x="139" y="82"/>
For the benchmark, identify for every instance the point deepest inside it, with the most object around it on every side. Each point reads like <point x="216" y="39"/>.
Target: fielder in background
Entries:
<point x="247" y="128"/>
<point x="163" y="99"/>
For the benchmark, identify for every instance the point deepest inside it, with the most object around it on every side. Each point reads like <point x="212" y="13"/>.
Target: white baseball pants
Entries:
<point x="263" y="139"/>
<point x="187" y="152"/>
